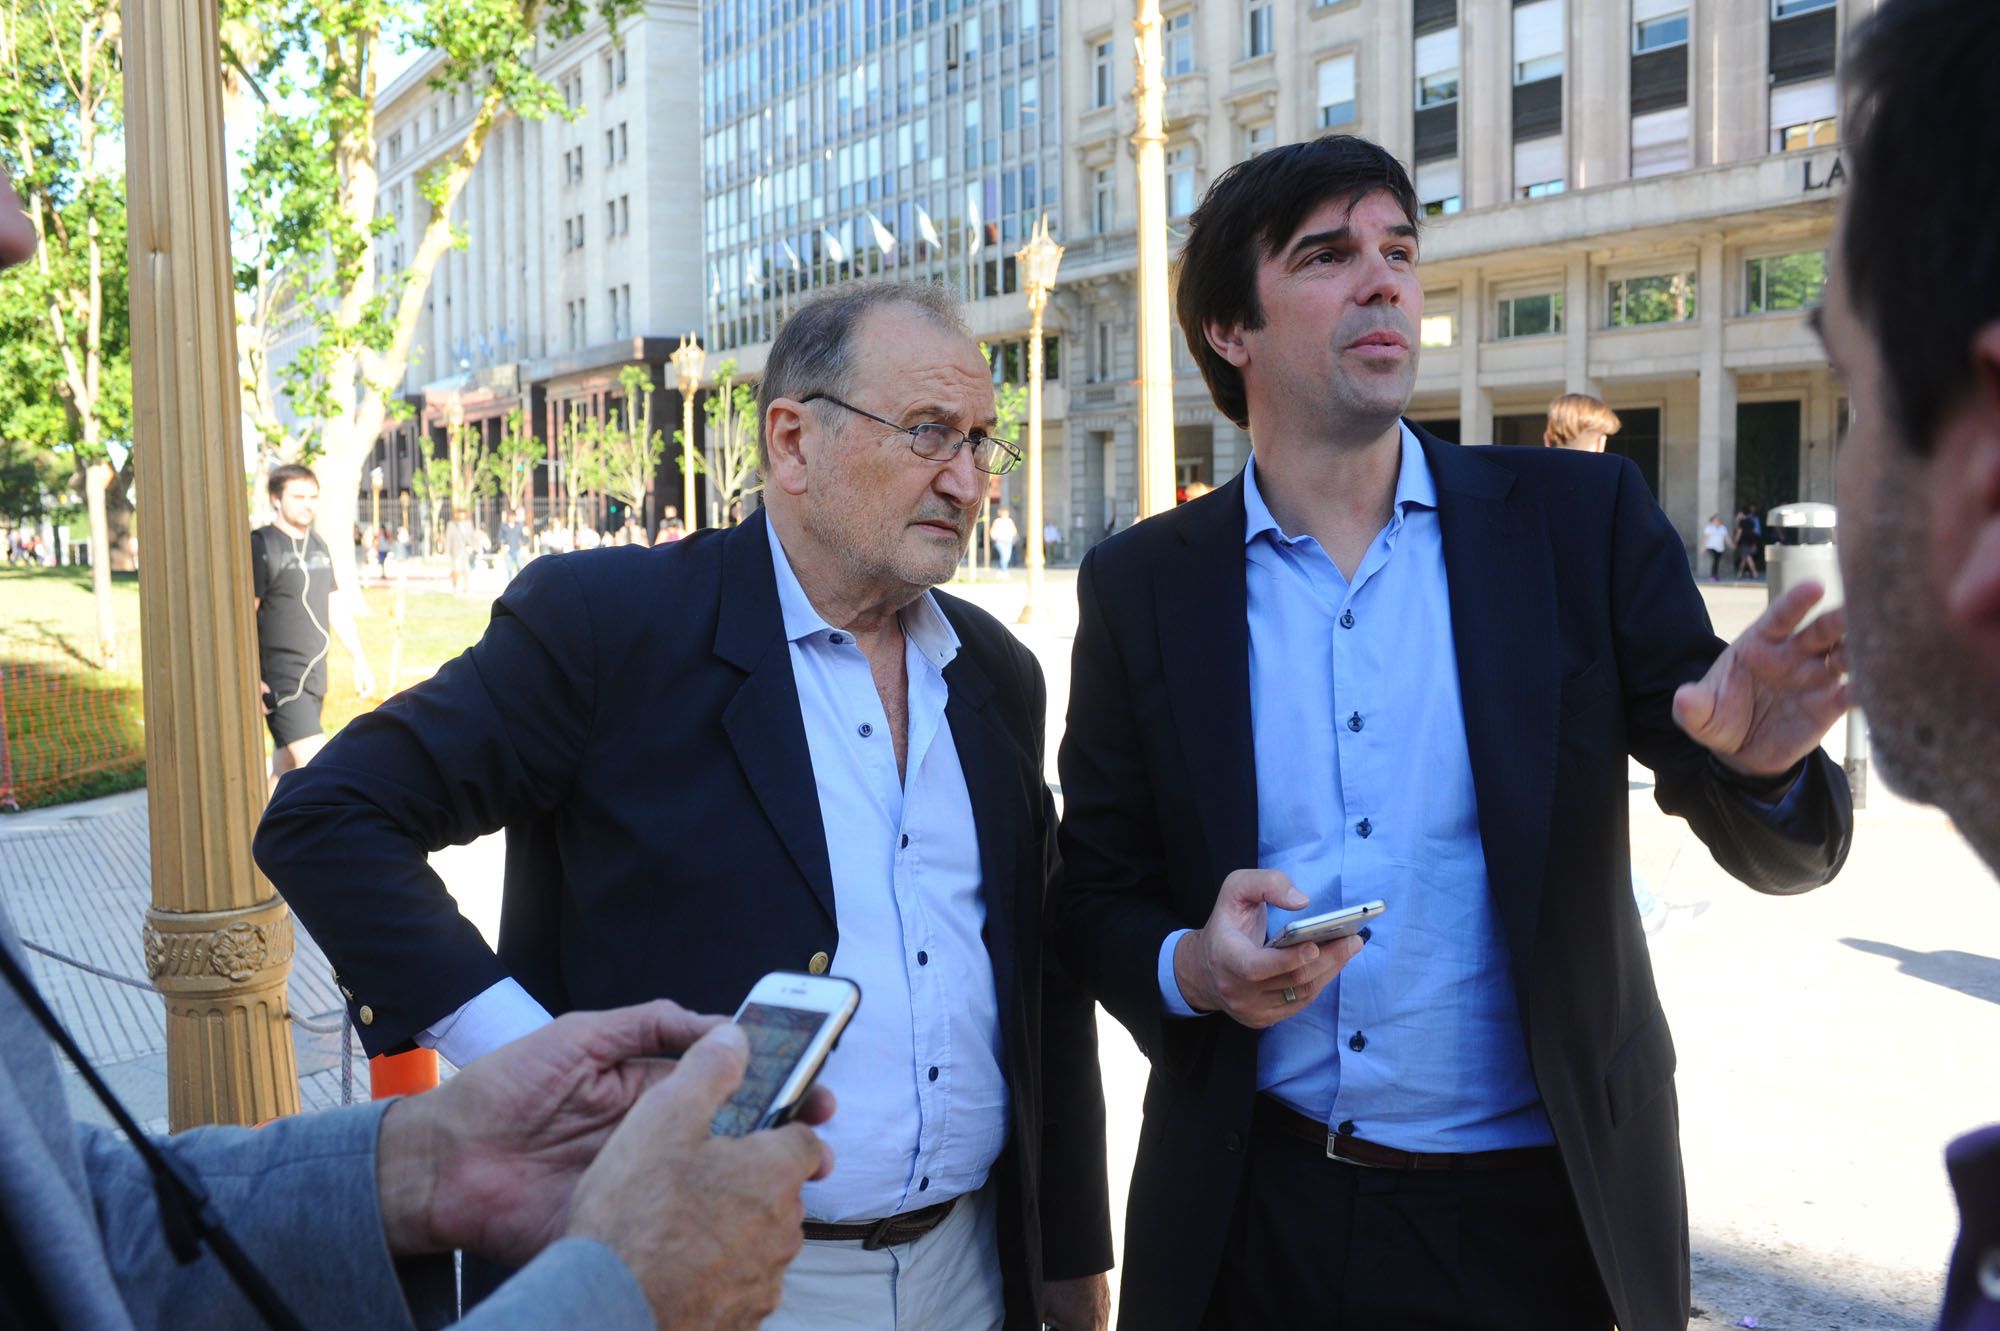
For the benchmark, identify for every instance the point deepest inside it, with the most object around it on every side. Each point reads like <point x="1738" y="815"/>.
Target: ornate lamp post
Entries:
<point x="688" y="359"/>
<point x="374" y="501"/>
<point x="1037" y="262"/>
<point x="1156" y="374"/>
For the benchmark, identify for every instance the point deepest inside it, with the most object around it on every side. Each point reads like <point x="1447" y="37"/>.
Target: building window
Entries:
<point x="624" y="140"/>
<point x="617" y="328"/>
<point x="624" y="214"/>
<point x="1529" y="316"/>
<point x="1336" y="91"/>
<point x="1539" y="168"/>
<point x="621" y="67"/>
<point x="1101" y="367"/>
<point x="1437" y="68"/>
<point x="1538" y="41"/>
<point x="1658" y="32"/>
<point x="1661" y="143"/>
<point x="1256" y="29"/>
<point x="1177" y="42"/>
<point x="1259" y="137"/>
<point x="1437" y="330"/>
<point x="1784" y="281"/>
<point x="1103" y="201"/>
<point x="610" y="146"/>
<point x="610" y="218"/>
<point x="1636" y="301"/>
<point x="1787" y="8"/>
<point x="1438" y="187"/>
<point x="396" y="146"/>
<point x="610" y="72"/>
<point x="1803" y="115"/>
<point x="1100" y="74"/>
<point x="1180" y="181"/>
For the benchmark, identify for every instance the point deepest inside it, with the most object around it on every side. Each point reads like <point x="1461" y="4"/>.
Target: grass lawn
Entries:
<point x="76" y="731"/>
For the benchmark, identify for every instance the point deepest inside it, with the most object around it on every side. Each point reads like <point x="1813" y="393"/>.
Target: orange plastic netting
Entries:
<point x="68" y="728"/>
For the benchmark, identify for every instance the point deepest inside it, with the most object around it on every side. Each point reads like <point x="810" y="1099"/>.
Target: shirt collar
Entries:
<point x="1414" y="486"/>
<point x="923" y="619"/>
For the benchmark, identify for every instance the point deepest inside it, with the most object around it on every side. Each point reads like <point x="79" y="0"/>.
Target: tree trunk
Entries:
<point x="118" y="514"/>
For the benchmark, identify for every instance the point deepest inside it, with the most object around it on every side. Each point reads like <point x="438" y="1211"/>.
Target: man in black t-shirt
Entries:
<point x="297" y="619"/>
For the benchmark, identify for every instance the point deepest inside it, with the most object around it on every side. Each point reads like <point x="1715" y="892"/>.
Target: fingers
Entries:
<point x="1694" y="708"/>
<point x="708" y="1074"/>
<point x="1782" y="619"/>
<point x="644" y="1030"/>
<point x="794" y="1152"/>
<point x="1250" y="887"/>
<point x="817" y="1108"/>
<point x="1824" y="633"/>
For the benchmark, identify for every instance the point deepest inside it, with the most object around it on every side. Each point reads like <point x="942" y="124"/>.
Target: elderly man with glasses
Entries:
<point x="771" y="747"/>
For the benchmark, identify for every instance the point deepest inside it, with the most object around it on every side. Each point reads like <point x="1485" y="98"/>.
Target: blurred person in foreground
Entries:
<point x="1377" y="665"/>
<point x="580" y="1154"/>
<point x="1911" y="320"/>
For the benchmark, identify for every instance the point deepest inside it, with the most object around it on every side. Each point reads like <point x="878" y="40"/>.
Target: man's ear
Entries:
<point x="1226" y="340"/>
<point x="1972" y="595"/>
<point x="786" y="427"/>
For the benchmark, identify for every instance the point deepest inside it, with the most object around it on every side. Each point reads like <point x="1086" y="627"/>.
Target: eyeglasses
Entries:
<point x="937" y="442"/>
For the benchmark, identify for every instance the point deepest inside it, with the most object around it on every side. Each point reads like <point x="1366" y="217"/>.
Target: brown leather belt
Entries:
<point x="1272" y="1116"/>
<point x="888" y="1231"/>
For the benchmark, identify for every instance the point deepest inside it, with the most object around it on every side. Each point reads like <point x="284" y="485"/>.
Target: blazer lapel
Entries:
<point x="1203" y="609"/>
<point x="763" y="721"/>
<point x="1503" y="622"/>
<point x="991" y="761"/>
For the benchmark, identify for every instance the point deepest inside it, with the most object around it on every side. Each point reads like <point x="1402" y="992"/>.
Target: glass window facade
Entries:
<point x="1784" y="281"/>
<point x="1529" y="316"/>
<point x="913" y="139"/>
<point x="1634" y="301"/>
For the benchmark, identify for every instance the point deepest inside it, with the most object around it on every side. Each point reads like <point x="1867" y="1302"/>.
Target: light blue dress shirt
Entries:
<point x="1364" y="791"/>
<point x="918" y="1075"/>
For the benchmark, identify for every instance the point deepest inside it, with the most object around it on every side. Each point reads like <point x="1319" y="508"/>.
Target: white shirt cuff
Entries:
<point x="500" y="1015"/>
<point x="1170" y="988"/>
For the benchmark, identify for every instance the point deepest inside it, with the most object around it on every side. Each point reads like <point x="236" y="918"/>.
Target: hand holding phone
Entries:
<point x="793" y="1021"/>
<point x="1325" y="928"/>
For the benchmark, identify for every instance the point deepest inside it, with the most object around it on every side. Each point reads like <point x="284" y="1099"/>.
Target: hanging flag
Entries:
<point x="883" y="240"/>
<point x="928" y="228"/>
<point x="978" y="231"/>
<point x="835" y="251"/>
<point x="792" y="257"/>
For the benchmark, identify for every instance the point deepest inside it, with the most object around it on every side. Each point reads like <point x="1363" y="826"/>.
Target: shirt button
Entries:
<point x="1346" y="1129"/>
<point x="924" y="1184"/>
<point x="1231" y="1142"/>
<point x="923" y="958"/>
<point x="1347" y="619"/>
<point x="1364" y="828"/>
<point x="1366" y="933"/>
<point x="933" y="1074"/>
<point x="837" y="639"/>
<point x="1354" y="722"/>
<point x="865" y="730"/>
<point x="1357" y="1042"/>
<point x="904" y="844"/>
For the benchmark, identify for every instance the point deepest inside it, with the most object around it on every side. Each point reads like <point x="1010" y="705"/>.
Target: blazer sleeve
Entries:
<point x="1075" y="1186"/>
<point x="1663" y="640"/>
<point x="495" y="736"/>
<point x="1114" y="909"/>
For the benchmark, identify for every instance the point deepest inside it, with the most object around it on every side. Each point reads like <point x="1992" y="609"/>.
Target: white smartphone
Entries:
<point x="793" y="1022"/>
<point x="1325" y="928"/>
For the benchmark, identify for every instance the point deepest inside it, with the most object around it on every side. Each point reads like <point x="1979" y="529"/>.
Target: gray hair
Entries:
<point x="814" y="349"/>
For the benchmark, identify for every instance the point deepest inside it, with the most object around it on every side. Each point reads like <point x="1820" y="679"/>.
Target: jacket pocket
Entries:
<point x="1585" y="687"/>
<point x="1640" y="1070"/>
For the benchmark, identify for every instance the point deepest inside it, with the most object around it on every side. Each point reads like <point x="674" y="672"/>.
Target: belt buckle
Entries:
<point x="1333" y="1152"/>
<point x="878" y="1234"/>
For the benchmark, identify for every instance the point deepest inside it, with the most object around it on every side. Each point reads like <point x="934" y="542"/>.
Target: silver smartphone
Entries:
<point x="1325" y="928"/>
<point x="793" y="1022"/>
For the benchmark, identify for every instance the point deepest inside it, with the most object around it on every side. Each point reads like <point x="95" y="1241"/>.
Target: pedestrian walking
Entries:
<point x="1746" y="545"/>
<point x="1004" y="535"/>
<point x="1715" y="540"/>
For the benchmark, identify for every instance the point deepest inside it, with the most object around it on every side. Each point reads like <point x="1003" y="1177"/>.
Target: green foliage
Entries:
<point x="431" y="485"/>
<point x="34" y="483"/>
<point x="65" y="341"/>
<point x="513" y="460"/>
<point x="731" y="464"/>
<point x="628" y="448"/>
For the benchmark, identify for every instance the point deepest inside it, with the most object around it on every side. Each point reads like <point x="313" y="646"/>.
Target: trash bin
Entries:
<point x="1799" y="547"/>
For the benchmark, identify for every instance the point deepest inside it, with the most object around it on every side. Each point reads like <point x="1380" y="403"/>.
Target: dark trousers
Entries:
<point x="1322" y="1245"/>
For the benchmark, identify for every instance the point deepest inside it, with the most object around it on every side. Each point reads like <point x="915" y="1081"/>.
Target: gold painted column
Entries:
<point x="218" y="941"/>
<point x="1156" y="369"/>
<point x="1037" y="262"/>
<point x="688" y="359"/>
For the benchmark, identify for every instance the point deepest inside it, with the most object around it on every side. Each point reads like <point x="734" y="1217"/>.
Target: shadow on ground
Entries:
<point x="1967" y="972"/>
<point x="1801" y="1289"/>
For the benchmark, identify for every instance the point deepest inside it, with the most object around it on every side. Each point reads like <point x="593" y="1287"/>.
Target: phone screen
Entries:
<point x="778" y="1037"/>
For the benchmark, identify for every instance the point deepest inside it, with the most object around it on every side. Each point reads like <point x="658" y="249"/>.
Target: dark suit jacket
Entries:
<point x="631" y="719"/>
<point x="1575" y="620"/>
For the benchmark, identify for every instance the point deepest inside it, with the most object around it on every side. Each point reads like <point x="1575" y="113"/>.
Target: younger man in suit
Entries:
<point x="1378" y="665"/>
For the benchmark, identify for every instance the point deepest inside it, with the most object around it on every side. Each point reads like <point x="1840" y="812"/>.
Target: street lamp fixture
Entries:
<point x="1036" y="262"/>
<point x="374" y="505"/>
<point x="688" y="359"/>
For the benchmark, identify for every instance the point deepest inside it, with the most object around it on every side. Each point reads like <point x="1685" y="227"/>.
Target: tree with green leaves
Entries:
<point x="68" y="372"/>
<point x="583" y="450"/>
<point x="731" y="459"/>
<point x="513" y="460"/>
<point x="630" y="448"/>
<point x="431" y="485"/>
<point x="311" y="181"/>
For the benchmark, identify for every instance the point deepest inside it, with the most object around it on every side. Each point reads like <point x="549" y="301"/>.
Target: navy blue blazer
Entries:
<point x="630" y="717"/>
<point x="1574" y="619"/>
